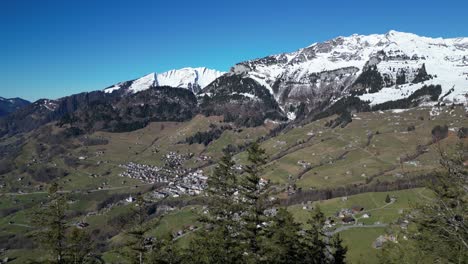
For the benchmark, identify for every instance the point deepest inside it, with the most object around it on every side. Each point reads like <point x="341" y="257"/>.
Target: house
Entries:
<point x="365" y="215"/>
<point x="82" y="225"/>
<point x="348" y="220"/>
<point x="263" y="182"/>
<point x="356" y="209"/>
<point x="130" y="199"/>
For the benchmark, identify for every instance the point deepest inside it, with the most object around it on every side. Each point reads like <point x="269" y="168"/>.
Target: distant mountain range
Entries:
<point x="355" y="73"/>
<point x="8" y="105"/>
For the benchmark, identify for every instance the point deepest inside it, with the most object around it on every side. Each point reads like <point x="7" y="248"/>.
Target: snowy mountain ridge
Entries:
<point x="329" y="70"/>
<point x="193" y="79"/>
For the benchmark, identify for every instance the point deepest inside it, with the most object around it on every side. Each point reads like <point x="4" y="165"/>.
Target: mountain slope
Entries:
<point x="8" y="105"/>
<point x="193" y="79"/>
<point x="345" y="74"/>
<point x="98" y="110"/>
<point x="377" y="68"/>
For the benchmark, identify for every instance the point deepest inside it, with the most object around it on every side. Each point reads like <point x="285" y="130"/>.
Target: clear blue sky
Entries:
<point x="49" y="48"/>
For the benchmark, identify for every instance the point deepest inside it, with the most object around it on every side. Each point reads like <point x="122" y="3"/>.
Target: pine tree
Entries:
<point x="79" y="247"/>
<point x="223" y="215"/>
<point x="283" y="242"/>
<point x="339" y="251"/>
<point x="51" y="220"/>
<point x="222" y="189"/>
<point x="253" y="197"/>
<point x="164" y="251"/>
<point x="137" y="244"/>
<point x="314" y="247"/>
<point x="387" y="199"/>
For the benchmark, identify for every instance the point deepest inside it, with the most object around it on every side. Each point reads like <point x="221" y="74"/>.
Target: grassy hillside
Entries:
<point x="375" y="147"/>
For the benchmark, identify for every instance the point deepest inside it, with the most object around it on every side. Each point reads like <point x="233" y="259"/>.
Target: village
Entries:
<point x="177" y="180"/>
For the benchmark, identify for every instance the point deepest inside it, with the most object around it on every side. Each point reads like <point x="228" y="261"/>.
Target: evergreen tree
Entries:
<point x="51" y="220"/>
<point x="137" y="247"/>
<point x="253" y="196"/>
<point x="222" y="189"/>
<point x="387" y="199"/>
<point x="283" y="244"/>
<point x="223" y="217"/>
<point x="339" y="251"/>
<point x="314" y="247"/>
<point x="79" y="247"/>
<point x="164" y="251"/>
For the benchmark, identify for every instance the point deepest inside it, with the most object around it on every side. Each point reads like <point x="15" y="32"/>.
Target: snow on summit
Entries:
<point x="193" y="79"/>
<point x="445" y="59"/>
<point x="330" y="70"/>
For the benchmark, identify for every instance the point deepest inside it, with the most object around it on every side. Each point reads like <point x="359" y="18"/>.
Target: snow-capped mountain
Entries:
<point x="193" y="79"/>
<point x="345" y="74"/>
<point x="377" y="68"/>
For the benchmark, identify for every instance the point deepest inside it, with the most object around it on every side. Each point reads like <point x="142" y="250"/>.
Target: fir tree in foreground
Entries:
<point x="65" y="244"/>
<point x="136" y="247"/>
<point x="244" y="226"/>
<point x="51" y="219"/>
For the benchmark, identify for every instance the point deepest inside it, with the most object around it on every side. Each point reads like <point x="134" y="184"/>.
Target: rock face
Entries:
<point x="193" y="79"/>
<point x="376" y="68"/>
<point x="9" y="105"/>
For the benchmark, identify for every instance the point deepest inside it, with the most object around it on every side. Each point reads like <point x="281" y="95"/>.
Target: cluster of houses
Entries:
<point x="192" y="183"/>
<point x="186" y="230"/>
<point x="303" y="164"/>
<point x="176" y="180"/>
<point x="174" y="160"/>
<point x="347" y="214"/>
<point x="145" y="173"/>
<point x="202" y="158"/>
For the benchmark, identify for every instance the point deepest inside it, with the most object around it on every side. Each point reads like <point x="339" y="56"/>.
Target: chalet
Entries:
<point x="130" y="199"/>
<point x="263" y="182"/>
<point x="303" y="164"/>
<point x="348" y="220"/>
<point x="344" y="212"/>
<point x="82" y="225"/>
<point x="356" y="209"/>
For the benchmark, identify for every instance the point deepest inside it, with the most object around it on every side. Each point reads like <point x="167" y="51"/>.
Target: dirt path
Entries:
<point x="343" y="228"/>
<point x="82" y="191"/>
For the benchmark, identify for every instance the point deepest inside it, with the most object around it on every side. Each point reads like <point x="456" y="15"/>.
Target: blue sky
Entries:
<point x="50" y="49"/>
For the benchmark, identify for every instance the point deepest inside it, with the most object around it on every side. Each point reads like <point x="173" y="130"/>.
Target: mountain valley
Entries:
<point x="344" y="124"/>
